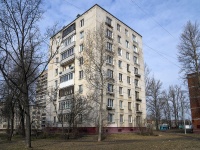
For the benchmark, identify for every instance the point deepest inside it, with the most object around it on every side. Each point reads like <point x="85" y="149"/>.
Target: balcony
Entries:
<point x="110" y="108"/>
<point x="135" y="42"/>
<point x="67" y="71"/>
<point x="64" y="48"/>
<point x="67" y="97"/>
<point x="138" y="111"/>
<point x="108" y="24"/>
<point x="67" y="60"/>
<point x="138" y="99"/>
<point x="111" y="92"/>
<point x="138" y="75"/>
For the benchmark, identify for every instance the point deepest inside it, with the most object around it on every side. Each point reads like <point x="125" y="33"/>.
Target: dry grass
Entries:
<point x="164" y="141"/>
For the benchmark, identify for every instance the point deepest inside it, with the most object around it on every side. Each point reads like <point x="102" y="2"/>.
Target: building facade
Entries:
<point x="125" y="104"/>
<point x="194" y="94"/>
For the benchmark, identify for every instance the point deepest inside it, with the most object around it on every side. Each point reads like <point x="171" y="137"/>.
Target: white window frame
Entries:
<point x="110" y="102"/>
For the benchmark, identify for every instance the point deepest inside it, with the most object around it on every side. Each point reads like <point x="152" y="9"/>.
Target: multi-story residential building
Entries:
<point x="126" y="107"/>
<point x="38" y="110"/>
<point x="194" y="100"/>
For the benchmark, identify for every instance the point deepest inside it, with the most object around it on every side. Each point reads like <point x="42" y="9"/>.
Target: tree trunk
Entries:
<point x="100" y="117"/>
<point x="8" y="128"/>
<point x="22" y="121"/>
<point x="11" y="125"/>
<point x="28" y="125"/>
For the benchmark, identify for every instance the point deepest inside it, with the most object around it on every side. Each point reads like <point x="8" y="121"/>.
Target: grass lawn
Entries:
<point x="164" y="141"/>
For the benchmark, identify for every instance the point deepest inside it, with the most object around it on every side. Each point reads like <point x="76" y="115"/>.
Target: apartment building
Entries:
<point x="124" y="101"/>
<point x="194" y="100"/>
<point x="38" y="110"/>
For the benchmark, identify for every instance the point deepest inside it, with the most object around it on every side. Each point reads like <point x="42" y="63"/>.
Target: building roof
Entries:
<point x="89" y="10"/>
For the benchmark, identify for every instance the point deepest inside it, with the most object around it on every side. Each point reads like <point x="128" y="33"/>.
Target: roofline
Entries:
<point x="89" y="10"/>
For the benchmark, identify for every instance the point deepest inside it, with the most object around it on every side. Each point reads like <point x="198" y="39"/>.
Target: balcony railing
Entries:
<point x="138" y="75"/>
<point x="67" y="60"/>
<point x="138" y="99"/>
<point x="110" y="108"/>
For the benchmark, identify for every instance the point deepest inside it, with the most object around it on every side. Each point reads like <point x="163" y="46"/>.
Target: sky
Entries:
<point x="159" y="22"/>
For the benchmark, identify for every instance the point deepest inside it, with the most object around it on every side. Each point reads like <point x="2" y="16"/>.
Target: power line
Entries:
<point x="75" y="6"/>
<point x="161" y="55"/>
<point x="153" y="19"/>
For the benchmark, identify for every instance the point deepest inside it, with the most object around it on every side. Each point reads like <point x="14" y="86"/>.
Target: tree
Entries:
<point x="167" y="110"/>
<point x="98" y="50"/>
<point x="154" y="100"/>
<point x="189" y="50"/>
<point x="20" y="44"/>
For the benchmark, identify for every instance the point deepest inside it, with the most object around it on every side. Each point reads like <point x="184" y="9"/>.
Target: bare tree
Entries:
<point x="154" y="99"/>
<point x="189" y="50"/>
<point x="98" y="51"/>
<point x="20" y="44"/>
<point x="167" y="110"/>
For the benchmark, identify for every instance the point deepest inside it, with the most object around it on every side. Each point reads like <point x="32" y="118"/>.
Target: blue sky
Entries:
<point x="159" y="22"/>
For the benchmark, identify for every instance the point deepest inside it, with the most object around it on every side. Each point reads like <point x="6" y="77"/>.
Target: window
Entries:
<point x="134" y="38"/>
<point x="110" y="117"/>
<point x="64" y="105"/>
<point x="136" y="83"/>
<point x="80" y="88"/>
<point x="120" y="77"/>
<point x="138" y="120"/>
<point x="120" y="90"/>
<point x="81" y="61"/>
<point x="109" y="33"/>
<point x="127" y="55"/>
<point x="81" y="74"/>
<point x="119" y="51"/>
<point x="129" y="105"/>
<point x="82" y="22"/>
<point x="119" y="39"/>
<point x="121" y="118"/>
<point x="118" y="27"/>
<point x="66" y="77"/>
<point x="137" y="107"/>
<point x="68" y="30"/>
<point x="81" y="48"/>
<point x="109" y="46"/>
<point x="127" y="44"/>
<point x="135" y="70"/>
<point x="121" y="104"/>
<point x="129" y="118"/>
<point x="67" y="53"/>
<point x="110" y="87"/>
<point x="108" y="21"/>
<point x="56" y="72"/>
<point x="128" y="80"/>
<point x="128" y="67"/>
<point x="126" y="32"/>
<point x="120" y="63"/>
<point x="135" y="48"/>
<point x="66" y="91"/>
<point x="136" y="95"/>
<point x="135" y="60"/>
<point x="69" y="40"/>
<point x="110" y="102"/>
<point x="81" y="34"/>
<point x="110" y="59"/>
<point x="110" y="73"/>
<point x="129" y="92"/>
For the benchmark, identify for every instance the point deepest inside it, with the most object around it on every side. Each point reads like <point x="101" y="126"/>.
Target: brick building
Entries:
<point x="194" y="92"/>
